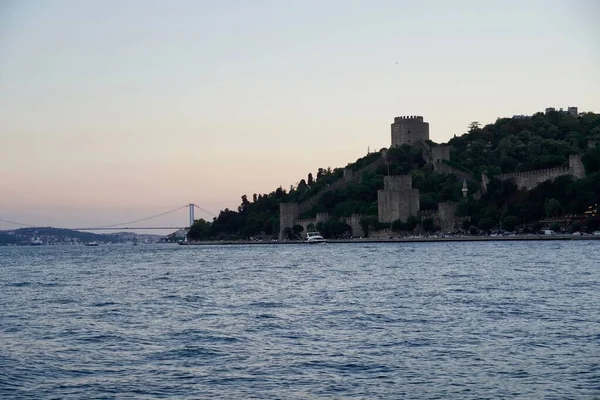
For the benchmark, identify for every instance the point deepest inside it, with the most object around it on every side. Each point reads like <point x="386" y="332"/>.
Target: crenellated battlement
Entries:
<point x="409" y="130"/>
<point x="447" y="205"/>
<point x="397" y="200"/>
<point x="410" y="118"/>
<point x="397" y="182"/>
<point x="530" y="179"/>
<point x="428" y="213"/>
<point x="354" y="222"/>
<point x="548" y="172"/>
<point x="306" y="221"/>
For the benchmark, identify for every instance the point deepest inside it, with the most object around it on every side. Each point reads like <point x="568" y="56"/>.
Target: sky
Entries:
<point x="112" y="111"/>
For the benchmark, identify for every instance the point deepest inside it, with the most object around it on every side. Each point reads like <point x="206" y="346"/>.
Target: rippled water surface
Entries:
<point x="423" y="320"/>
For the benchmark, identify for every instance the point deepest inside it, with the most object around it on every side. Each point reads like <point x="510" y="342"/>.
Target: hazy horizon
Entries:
<point x="114" y="111"/>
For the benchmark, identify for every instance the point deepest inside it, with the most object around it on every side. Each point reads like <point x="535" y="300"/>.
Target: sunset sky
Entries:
<point x="116" y="110"/>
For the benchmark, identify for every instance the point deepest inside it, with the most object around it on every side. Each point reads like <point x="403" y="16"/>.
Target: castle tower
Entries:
<point x="439" y="154"/>
<point x="576" y="167"/>
<point x="446" y="216"/>
<point x="288" y="214"/>
<point x="409" y="130"/>
<point x="397" y="200"/>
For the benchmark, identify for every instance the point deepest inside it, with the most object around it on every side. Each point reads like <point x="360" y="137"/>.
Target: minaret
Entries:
<point x="465" y="190"/>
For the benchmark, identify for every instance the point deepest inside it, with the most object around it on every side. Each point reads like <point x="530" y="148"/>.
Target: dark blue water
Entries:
<point x="420" y="321"/>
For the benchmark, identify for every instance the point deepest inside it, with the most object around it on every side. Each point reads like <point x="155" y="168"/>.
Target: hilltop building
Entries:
<point x="409" y="130"/>
<point x="574" y="111"/>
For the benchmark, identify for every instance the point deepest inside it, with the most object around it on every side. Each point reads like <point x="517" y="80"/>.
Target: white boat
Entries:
<point x="314" y="237"/>
<point x="36" y="242"/>
<point x="92" y="244"/>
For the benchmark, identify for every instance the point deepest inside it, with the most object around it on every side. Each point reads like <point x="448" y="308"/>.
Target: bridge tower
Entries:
<point x="191" y="206"/>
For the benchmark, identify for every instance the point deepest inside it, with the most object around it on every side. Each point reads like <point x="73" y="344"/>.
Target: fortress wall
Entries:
<point x="576" y="167"/>
<point x="322" y="217"/>
<point x="288" y="213"/>
<point x="428" y="214"/>
<point x="414" y="202"/>
<point x="372" y="167"/>
<point x="443" y="168"/>
<point x="393" y="205"/>
<point x="308" y="204"/>
<point x="530" y="179"/>
<point x="447" y="219"/>
<point x="387" y="206"/>
<point x="305" y="223"/>
<point x="353" y="176"/>
<point x="354" y="222"/>
<point x="440" y="153"/>
<point x="348" y="174"/>
<point x="485" y="181"/>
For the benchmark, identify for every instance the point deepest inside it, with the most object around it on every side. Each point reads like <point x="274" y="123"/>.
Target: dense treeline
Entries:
<point x="508" y="145"/>
<point x="511" y="145"/>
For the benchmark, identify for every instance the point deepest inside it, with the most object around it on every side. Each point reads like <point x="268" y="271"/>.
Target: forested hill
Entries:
<point x="543" y="140"/>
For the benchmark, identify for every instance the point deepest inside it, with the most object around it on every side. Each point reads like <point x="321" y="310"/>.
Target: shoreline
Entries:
<point x="401" y="240"/>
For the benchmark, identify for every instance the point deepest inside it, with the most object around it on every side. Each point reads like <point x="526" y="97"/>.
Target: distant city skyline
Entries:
<point x="113" y="111"/>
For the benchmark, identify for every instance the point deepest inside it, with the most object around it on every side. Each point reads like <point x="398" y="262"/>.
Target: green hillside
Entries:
<point x="544" y="140"/>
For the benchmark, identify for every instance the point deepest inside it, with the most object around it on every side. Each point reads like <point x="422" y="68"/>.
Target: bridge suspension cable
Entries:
<point x="16" y="223"/>
<point x="119" y="225"/>
<point x="142" y="219"/>
<point x="202" y="209"/>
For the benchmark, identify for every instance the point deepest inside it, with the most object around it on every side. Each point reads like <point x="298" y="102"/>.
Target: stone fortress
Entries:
<point x="399" y="200"/>
<point x="409" y="130"/>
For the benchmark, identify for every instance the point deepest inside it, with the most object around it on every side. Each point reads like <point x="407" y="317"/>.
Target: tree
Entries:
<point x="474" y="126"/>
<point x="244" y="204"/>
<point x="465" y="224"/>
<point x="398" y="225"/>
<point x="486" y="224"/>
<point x="320" y="173"/>
<point x="555" y="227"/>
<point x="510" y="223"/>
<point x="311" y="181"/>
<point x="200" y="230"/>
<point x="302" y="186"/>
<point x="367" y="224"/>
<point x="412" y="222"/>
<point x="552" y="208"/>
<point x="428" y="225"/>
<point x="297" y="230"/>
<point x="473" y="230"/>
<point x="576" y="227"/>
<point x="592" y="224"/>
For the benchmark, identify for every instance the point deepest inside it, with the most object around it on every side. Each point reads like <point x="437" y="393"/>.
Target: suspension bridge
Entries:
<point x="128" y="225"/>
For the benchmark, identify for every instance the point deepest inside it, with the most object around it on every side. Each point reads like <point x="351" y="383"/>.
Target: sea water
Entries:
<point x="396" y="320"/>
